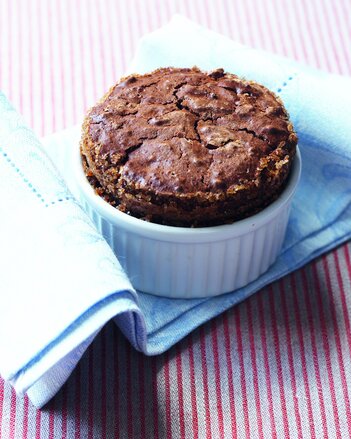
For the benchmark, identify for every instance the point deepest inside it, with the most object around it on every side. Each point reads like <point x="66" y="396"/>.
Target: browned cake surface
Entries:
<point x="188" y="148"/>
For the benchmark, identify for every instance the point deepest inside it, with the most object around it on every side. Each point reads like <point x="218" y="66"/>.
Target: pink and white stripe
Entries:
<point x="279" y="364"/>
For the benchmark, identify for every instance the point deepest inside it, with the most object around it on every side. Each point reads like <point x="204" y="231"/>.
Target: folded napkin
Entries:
<point x="60" y="281"/>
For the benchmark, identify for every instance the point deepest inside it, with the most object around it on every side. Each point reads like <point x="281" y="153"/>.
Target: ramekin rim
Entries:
<point x="145" y="228"/>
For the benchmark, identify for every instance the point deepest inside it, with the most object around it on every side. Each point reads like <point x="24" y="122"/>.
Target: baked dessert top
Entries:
<point x="179" y="146"/>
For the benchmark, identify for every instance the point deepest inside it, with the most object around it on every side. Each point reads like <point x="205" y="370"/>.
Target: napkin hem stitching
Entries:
<point x="286" y="82"/>
<point x="29" y="184"/>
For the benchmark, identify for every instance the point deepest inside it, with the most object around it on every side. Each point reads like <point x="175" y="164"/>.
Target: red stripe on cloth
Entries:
<point x="217" y="373"/>
<point x="140" y="24"/>
<point x="101" y="46"/>
<point x="267" y="368"/>
<point x="51" y="67"/>
<point x="12" y="49"/>
<point x="315" y="357"/>
<point x="168" y="9"/>
<point x="240" y="350"/>
<point x="12" y="414"/>
<point x="247" y="23"/>
<point x="64" y="412"/>
<point x="346" y="13"/>
<point x="20" y="33"/>
<point x="227" y="17"/>
<point x="263" y="36"/>
<point x="1" y="401"/>
<point x="347" y="259"/>
<point x="323" y="39"/>
<point x="155" y="396"/>
<point x="112" y="51"/>
<point x="116" y="387"/>
<point x="158" y="16"/>
<point x="121" y="45"/>
<point x="103" y="384"/>
<point x="316" y="33"/>
<point x="128" y="356"/>
<point x="205" y="383"/>
<point x="52" y="420"/>
<point x="332" y="307"/>
<point x="342" y="291"/>
<point x="293" y="39"/>
<point x="82" y="76"/>
<point x="59" y="17"/>
<point x="186" y="9"/>
<point x="180" y="390"/>
<point x="195" y="425"/>
<point x="212" y="18"/>
<point x="305" y="28"/>
<point x="33" y="67"/>
<point x="71" y="56"/>
<point x="92" y="61"/>
<point x="78" y="389"/>
<point x="326" y="347"/>
<point x="223" y="22"/>
<point x="4" y="67"/>
<point x="111" y="41"/>
<point x="302" y="53"/>
<point x="38" y="424"/>
<point x="295" y="48"/>
<point x="126" y="28"/>
<point x="270" y="18"/>
<point x="301" y="344"/>
<point x="290" y="357"/>
<point x="30" y="79"/>
<point x="227" y="345"/>
<point x="331" y="36"/>
<point x="167" y="401"/>
<point x="141" y="377"/>
<point x="91" y="398"/>
<point x="281" y="34"/>
<point x="278" y="360"/>
<point x="335" y="30"/>
<point x="254" y="369"/>
<point x="41" y="67"/>
<point x="341" y="22"/>
<point x="201" y="13"/>
<point x="25" y="417"/>
<point x="183" y="7"/>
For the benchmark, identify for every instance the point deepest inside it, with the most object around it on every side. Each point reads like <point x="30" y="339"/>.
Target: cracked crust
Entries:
<point x="187" y="148"/>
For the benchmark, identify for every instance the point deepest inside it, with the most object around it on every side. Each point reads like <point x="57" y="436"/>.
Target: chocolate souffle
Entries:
<point x="182" y="147"/>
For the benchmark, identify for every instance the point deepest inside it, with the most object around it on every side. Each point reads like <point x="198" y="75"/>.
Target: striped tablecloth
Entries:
<point x="279" y="364"/>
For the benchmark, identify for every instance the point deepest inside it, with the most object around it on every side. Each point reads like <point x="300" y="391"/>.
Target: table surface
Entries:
<point x="279" y="364"/>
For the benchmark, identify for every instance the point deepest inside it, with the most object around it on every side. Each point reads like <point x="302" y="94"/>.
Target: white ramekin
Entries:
<point x="182" y="262"/>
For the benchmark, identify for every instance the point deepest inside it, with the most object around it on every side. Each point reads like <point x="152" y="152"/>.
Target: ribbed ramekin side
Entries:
<point x="197" y="269"/>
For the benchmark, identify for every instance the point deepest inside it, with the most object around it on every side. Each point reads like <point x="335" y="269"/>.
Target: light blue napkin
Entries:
<point x="60" y="281"/>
